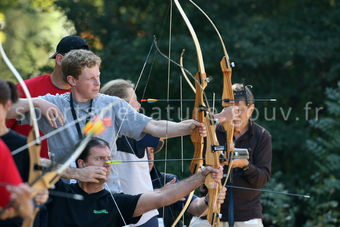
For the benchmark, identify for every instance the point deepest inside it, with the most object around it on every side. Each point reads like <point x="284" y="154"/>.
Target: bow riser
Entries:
<point x="198" y="115"/>
<point x="37" y="179"/>
<point x="212" y="158"/>
<point x="34" y="173"/>
<point x="227" y="94"/>
<point x="47" y="181"/>
<point x="34" y="156"/>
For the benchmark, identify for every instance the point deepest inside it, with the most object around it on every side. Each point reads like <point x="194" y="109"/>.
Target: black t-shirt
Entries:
<point x="97" y="209"/>
<point x="14" y="140"/>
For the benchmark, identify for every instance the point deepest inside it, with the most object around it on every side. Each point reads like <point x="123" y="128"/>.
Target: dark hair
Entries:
<point x="8" y="91"/>
<point x="95" y="141"/>
<point x="243" y="93"/>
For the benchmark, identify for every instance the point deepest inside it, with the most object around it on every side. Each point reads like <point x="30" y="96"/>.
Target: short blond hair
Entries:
<point x="76" y="60"/>
<point x="117" y="87"/>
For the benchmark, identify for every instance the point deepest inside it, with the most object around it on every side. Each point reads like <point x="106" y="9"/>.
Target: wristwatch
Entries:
<point x="245" y="168"/>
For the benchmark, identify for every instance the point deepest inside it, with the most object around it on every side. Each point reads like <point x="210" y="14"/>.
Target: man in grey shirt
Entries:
<point x="81" y="71"/>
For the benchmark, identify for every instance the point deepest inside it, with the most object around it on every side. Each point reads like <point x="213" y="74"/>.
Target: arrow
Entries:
<point x="152" y="100"/>
<point x="265" y="190"/>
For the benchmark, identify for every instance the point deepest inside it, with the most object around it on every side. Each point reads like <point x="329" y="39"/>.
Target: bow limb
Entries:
<point x="196" y="139"/>
<point x="23" y="85"/>
<point x="184" y="73"/>
<point x="228" y="127"/>
<point x="226" y="94"/>
<point x="34" y="151"/>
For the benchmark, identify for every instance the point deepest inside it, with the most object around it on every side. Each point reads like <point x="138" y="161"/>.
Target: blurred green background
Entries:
<point x="288" y="50"/>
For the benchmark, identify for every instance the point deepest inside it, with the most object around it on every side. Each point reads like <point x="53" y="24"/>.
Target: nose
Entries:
<point x="97" y="81"/>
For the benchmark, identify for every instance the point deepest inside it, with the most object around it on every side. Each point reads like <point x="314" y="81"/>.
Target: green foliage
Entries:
<point x="324" y="149"/>
<point x="279" y="210"/>
<point x="31" y="37"/>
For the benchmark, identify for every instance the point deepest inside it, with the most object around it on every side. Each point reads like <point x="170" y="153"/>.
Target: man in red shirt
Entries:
<point x="49" y="83"/>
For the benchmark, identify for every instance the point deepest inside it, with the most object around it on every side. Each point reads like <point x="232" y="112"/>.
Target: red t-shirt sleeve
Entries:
<point x="8" y="173"/>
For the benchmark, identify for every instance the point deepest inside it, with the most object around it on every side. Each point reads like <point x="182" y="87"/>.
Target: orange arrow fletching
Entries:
<point x="97" y="125"/>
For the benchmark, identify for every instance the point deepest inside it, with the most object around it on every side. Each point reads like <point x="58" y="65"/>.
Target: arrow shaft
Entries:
<point x="192" y="100"/>
<point x="270" y="191"/>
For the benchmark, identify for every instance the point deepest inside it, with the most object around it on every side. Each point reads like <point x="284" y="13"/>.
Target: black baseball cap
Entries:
<point x="68" y="43"/>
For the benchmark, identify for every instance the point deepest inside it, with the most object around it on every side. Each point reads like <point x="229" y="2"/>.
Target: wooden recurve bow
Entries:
<point x="202" y="114"/>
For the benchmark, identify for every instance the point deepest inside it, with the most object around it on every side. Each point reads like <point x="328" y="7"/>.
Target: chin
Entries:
<point x="94" y="96"/>
<point x="102" y="181"/>
<point x="237" y="124"/>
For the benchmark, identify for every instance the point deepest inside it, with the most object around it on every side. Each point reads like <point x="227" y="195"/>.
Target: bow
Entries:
<point x="202" y="113"/>
<point x="227" y="94"/>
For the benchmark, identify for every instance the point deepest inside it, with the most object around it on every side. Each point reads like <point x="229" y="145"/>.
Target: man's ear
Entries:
<point x="8" y="105"/>
<point x="250" y="110"/>
<point x="81" y="163"/>
<point x="71" y="80"/>
<point x="58" y="59"/>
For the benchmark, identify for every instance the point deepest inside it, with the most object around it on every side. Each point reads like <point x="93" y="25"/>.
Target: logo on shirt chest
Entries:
<point x="100" y="211"/>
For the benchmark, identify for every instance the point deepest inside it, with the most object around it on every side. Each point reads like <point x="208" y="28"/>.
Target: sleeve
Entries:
<point x="140" y="145"/>
<point x="44" y="126"/>
<point x="126" y="205"/>
<point x="128" y="145"/>
<point x="130" y="122"/>
<point x="148" y="141"/>
<point x="10" y="123"/>
<point x="259" y="171"/>
<point x="8" y="173"/>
